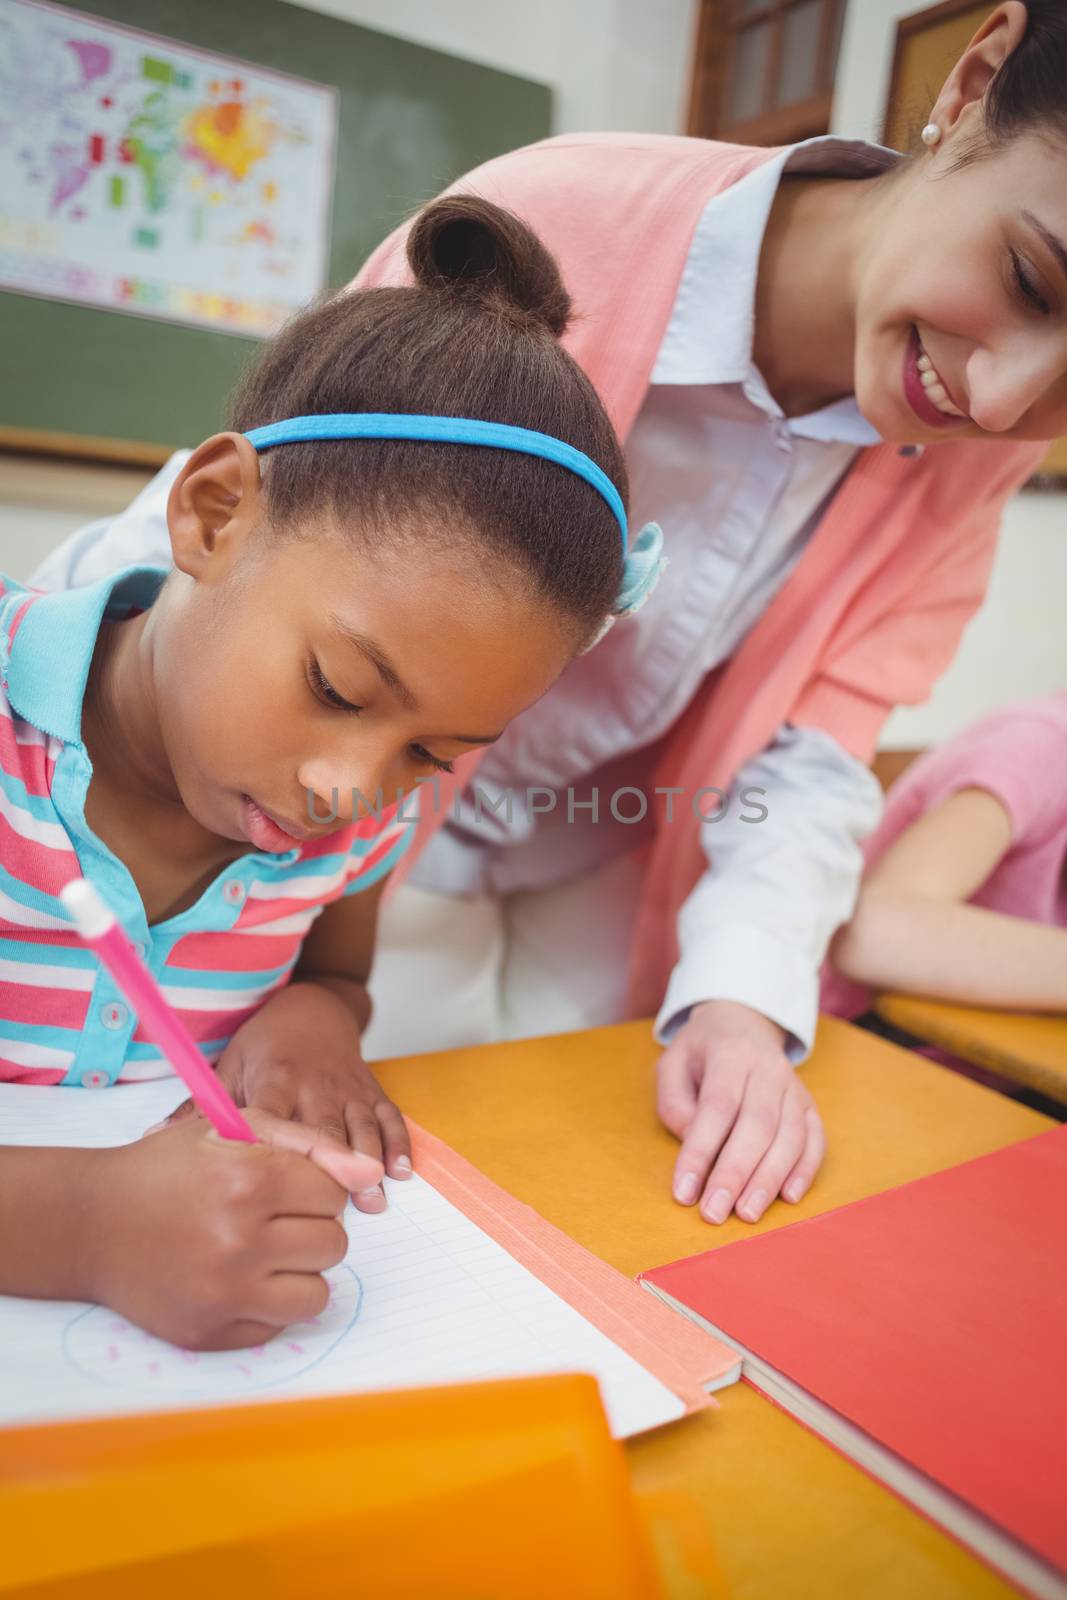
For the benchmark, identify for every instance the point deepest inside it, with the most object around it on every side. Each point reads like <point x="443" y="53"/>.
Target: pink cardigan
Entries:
<point x="874" y="610"/>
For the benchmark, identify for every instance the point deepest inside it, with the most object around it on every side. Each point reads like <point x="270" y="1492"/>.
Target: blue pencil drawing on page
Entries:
<point x="105" y="1348"/>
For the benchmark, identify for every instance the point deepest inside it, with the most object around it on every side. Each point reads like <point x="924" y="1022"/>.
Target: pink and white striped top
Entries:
<point x="62" y="1020"/>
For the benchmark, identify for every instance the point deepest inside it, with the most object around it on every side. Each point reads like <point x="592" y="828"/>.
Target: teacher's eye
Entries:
<point x="324" y="690"/>
<point x="422" y="754"/>
<point x="1026" y="286"/>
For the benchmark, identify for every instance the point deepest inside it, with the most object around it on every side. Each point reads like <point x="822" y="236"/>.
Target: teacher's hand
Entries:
<point x="749" y="1128"/>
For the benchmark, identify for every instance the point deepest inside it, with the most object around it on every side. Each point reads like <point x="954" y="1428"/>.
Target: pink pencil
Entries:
<point x="101" y="930"/>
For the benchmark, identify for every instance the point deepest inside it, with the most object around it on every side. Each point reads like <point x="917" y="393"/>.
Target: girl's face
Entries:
<point x="961" y="314"/>
<point x="297" y="674"/>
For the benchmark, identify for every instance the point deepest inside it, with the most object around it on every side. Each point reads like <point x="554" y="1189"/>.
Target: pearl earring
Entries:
<point x="930" y="135"/>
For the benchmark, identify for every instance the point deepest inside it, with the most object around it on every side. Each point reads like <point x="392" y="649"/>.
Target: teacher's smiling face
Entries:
<point x="961" y="317"/>
<point x="961" y="292"/>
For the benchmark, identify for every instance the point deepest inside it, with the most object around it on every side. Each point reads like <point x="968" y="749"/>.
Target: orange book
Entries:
<point x="923" y="1331"/>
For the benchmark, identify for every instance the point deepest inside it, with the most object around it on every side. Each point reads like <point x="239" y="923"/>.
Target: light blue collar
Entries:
<point x="46" y="667"/>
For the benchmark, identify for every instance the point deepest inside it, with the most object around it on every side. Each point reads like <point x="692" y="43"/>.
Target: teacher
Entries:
<point x="832" y="366"/>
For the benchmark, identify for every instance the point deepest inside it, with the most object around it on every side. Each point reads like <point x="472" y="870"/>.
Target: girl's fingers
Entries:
<point x="354" y="1168"/>
<point x="752" y="1135"/>
<point x="365" y="1136"/>
<point x="396" y="1144"/>
<point x="179" y="1114"/>
<point x="721" y="1096"/>
<point x="345" y="1166"/>
<point x="228" y="1073"/>
<point x="272" y="1091"/>
<point x="306" y="1245"/>
<point x="800" y="1179"/>
<point x="770" y="1174"/>
<point x="288" y="1297"/>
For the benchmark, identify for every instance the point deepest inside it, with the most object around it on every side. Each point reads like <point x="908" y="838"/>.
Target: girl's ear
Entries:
<point x="971" y="76"/>
<point x="214" y="505"/>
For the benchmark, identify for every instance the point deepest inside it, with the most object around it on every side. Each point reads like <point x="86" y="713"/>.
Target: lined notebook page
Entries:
<point x="423" y="1297"/>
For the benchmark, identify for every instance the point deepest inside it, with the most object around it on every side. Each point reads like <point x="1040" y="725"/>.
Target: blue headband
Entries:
<point x="642" y="565"/>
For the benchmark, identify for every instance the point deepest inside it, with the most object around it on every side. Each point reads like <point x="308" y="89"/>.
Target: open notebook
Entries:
<point x="428" y="1294"/>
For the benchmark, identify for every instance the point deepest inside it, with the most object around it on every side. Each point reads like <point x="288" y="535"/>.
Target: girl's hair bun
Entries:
<point x="463" y="244"/>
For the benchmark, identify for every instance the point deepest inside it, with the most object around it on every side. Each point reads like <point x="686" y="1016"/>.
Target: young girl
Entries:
<point x="832" y="366"/>
<point x="965" y="893"/>
<point x="365" y="585"/>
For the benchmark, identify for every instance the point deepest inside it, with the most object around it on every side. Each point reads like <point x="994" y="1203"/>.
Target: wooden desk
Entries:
<point x="568" y="1124"/>
<point x="1025" y="1048"/>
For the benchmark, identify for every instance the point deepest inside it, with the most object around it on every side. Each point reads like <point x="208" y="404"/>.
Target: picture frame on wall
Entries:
<point x="927" y="45"/>
<point x="179" y="176"/>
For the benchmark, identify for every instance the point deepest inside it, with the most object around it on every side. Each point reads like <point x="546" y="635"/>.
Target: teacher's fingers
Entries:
<point x="677" y="1086"/>
<point x="784" y="1152"/>
<point x="718" y="1103"/>
<point x="754" y="1130"/>
<point x="801" y="1178"/>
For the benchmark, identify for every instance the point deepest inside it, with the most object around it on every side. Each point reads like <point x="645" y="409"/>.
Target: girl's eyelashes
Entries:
<point x="422" y="754"/>
<point x="1027" y="287"/>
<point x="325" y="691"/>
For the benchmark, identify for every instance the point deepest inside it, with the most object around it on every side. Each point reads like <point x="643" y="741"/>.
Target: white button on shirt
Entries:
<point x="738" y="489"/>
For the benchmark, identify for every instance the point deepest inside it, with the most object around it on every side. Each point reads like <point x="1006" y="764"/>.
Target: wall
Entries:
<point x="611" y="63"/>
<point x="863" y="66"/>
<point x="42" y="501"/>
<point x="1017" y="644"/>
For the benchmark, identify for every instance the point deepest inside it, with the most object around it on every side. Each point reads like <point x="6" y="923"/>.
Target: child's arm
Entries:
<point x="210" y="1243"/>
<point x="913" y="930"/>
<point x="299" y="1058"/>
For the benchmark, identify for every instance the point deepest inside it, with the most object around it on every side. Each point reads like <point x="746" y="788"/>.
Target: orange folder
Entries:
<point x="513" y="1490"/>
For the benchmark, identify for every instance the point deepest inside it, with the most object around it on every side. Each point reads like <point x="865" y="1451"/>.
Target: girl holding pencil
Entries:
<point x="414" y="523"/>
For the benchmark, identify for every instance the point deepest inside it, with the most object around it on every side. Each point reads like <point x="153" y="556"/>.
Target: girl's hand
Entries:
<point x="298" y="1060"/>
<point x="749" y="1128"/>
<point x="207" y="1242"/>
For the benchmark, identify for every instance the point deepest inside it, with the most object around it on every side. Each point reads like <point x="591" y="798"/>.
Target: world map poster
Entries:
<point x="148" y="176"/>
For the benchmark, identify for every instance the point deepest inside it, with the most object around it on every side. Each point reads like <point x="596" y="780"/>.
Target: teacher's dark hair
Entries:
<point x="1029" y="90"/>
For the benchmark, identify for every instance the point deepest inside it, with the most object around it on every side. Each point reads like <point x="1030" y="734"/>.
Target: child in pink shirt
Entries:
<point x="965" y="893"/>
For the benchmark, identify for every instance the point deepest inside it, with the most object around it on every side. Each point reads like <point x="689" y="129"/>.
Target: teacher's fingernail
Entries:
<point x="403" y="1165"/>
<point x="719" y="1206"/>
<point x="685" y="1190"/>
<point x="755" y="1205"/>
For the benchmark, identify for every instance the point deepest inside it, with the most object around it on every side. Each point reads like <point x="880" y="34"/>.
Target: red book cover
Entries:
<point x="934" y="1319"/>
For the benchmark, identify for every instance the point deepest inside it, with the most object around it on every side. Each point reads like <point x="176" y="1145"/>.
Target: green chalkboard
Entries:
<point x="410" y="120"/>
